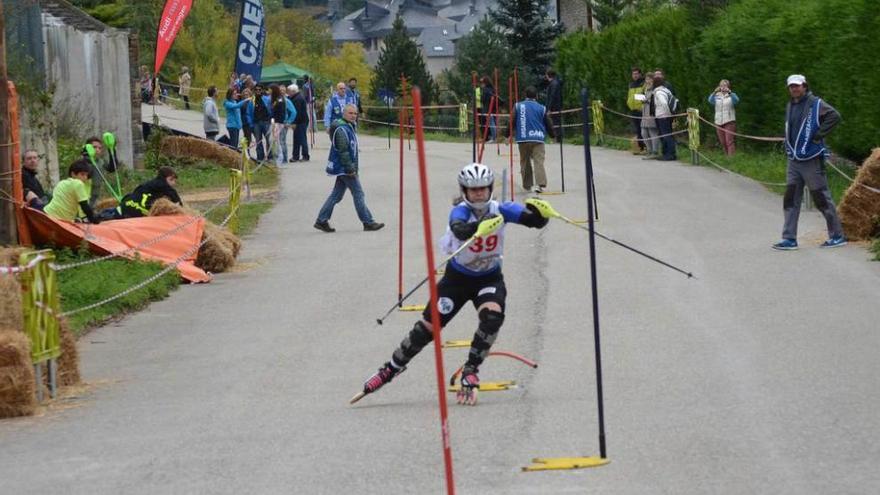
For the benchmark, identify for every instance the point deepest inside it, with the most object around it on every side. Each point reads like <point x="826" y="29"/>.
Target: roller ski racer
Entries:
<point x="472" y="275"/>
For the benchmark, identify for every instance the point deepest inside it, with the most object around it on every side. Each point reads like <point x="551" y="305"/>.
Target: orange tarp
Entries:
<point x="116" y="236"/>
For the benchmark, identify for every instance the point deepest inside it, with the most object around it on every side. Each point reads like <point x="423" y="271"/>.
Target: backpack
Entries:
<point x="672" y="101"/>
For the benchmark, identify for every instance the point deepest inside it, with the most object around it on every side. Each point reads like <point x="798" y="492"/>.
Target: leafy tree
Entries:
<point x="530" y="32"/>
<point x="401" y="56"/>
<point x="482" y="50"/>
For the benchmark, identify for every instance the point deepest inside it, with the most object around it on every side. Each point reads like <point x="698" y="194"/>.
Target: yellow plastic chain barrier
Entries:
<point x="40" y="304"/>
<point x="693" y="119"/>
<point x="598" y="119"/>
<point x="234" y="198"/>
<point x="462" y="118"/>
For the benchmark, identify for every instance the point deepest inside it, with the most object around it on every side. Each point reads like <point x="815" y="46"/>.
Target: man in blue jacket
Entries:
<point x="531" y="126"/>
<point x="343" y="164"/>
<point x="289" y="121"/>
<point x="336" y="103"/>
<point x="808" y="119"/>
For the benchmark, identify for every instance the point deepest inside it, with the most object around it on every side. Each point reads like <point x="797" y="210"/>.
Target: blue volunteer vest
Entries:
<point x="804" y="148"/>
<point x="334" y="164"/>
<point x="530" y="122"/>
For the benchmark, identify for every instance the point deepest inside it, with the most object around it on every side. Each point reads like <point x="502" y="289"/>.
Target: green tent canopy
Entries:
<point x="280" y="72"/>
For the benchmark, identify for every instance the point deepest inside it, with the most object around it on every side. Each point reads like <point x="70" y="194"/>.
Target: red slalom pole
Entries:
<point x="485" y="131"/>
<point x="400" y="118"/>
<point x="497" y="108"/>
<point x="515" y="100"/>
<point x="432" y="278"/>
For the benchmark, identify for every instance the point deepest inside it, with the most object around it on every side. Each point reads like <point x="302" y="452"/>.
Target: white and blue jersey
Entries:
<point x="483" y="256"/>
<point x="529" y="122"/>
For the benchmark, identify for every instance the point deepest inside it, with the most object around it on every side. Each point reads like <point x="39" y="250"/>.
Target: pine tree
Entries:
<point x="530" y="32"/>
<point x="482" y="50"/>
<point x="401" y="56"/>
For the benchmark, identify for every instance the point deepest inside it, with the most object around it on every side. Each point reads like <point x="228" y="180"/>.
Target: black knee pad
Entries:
<point x="490" y="321"/>
<point x="819" y="198"/>
<point x="420" y="335"/>
<point x="788" y="198"/>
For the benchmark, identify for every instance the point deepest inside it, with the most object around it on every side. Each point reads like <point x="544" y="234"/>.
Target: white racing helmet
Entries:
<point x="476" y="175"/>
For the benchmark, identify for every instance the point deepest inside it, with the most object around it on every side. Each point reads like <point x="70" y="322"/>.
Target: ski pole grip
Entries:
<point x="109" y="140"/>
<point x="489" y="226"/>
<point x="543" y="207"/>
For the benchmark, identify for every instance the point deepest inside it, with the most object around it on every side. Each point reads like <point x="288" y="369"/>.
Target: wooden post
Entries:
<point x="8" y="230"/>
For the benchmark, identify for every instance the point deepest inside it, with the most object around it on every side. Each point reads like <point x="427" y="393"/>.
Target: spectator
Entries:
<point x="138" y="202"/>
<point x="146" y="84"/>
<point x="300" y="125"/>
<point x="531" y="126"/>
<point x="355" y="95"/>
<point x="723" y="99"/>
<point x="289" y="127"/>
<point x="185" y="81"/>
<point x="663" y="113"/>
<point x="233" y="81"/>
<point x="262" y="123"/>
<point x="247" y="114"/>
<point x="211" y="120"/>
<point x="649" y="123"/>
<point x="97" y="180"/>
<point x="554" y="98"/>
<point x="34" y="194"/>
<point x="343" y="164"/>
<point x="308" y="91"/>
<point x="70" y="196"/>
<point x="233" y="106"/>
<point x="335" y="104"/>
<point x="636" y="87"/>
<point x="808" y="119"/>
<point x="488" y="105"/>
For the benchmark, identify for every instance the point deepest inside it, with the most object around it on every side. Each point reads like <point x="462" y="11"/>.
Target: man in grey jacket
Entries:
<point x="808" y="119"/>
<point x="212" y="117"/>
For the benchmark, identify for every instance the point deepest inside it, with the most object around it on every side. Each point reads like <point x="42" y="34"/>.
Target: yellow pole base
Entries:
<point x="488" y="386"/>
<point x="451" y="344"/>
<point x="558" y="463"/>
<point x="550" y="193"/>
<point x="417" y="307"/>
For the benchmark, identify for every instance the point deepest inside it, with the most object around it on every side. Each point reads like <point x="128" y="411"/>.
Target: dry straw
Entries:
<point x="189" y="148"/>
<point x="11" y="315"/>
<point x="17" y="385"/>
<point x="218" y="253"/>
<point x="860" y="207"/>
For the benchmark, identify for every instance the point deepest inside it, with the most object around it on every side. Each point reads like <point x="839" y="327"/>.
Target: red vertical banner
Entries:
<point x="432" y="284"/>
<point x="173" y="15"/>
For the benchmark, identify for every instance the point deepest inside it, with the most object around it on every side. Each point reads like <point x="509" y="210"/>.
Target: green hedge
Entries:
<point x="755" y="44"/>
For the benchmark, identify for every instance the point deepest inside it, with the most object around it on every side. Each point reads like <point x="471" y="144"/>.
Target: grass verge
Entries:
<point x="85" y="285"/>
<point x="248" y="215"/>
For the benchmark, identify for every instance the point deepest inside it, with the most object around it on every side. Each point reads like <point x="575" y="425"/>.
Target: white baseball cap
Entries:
<point x="796" y="79"/>
<point x="294" y="88"/>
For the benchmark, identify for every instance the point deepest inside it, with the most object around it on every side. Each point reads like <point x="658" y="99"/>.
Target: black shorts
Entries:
<point x="455" y="289"/>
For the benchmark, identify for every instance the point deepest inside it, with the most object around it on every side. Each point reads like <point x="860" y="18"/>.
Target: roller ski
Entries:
<point x="385" y="374"/>
<point x="470" y="385"/>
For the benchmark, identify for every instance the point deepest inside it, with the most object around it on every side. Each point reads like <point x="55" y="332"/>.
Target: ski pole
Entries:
<point x="110" y="142"/>
<point x="548" y="211"/>
<point x="485" y="228"/>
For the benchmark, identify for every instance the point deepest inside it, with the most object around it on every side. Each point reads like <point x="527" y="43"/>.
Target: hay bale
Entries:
<point x="165" y="207"/>
<point x="188" y="148"/>
<point x="68" y="363"/>
<point x="219" y="252"/>
<point x="105" y="203"/>
<point x="17" y="385"/>
<point x="11" y="313"/>
<point x="860" y="207"/>
<point x="215" y="257"/>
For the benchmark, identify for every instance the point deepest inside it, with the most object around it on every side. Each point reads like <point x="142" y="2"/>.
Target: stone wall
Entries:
<point x="88" y="64"/>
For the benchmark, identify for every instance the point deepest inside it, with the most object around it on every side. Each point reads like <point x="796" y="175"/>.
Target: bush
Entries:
<point x="755" y="44"/>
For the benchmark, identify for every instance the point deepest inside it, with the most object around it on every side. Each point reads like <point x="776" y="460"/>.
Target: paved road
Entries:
<point x="759" y="377"/>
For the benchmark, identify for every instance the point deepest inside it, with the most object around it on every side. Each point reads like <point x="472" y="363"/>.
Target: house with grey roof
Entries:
<point x="435" y="25"/>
